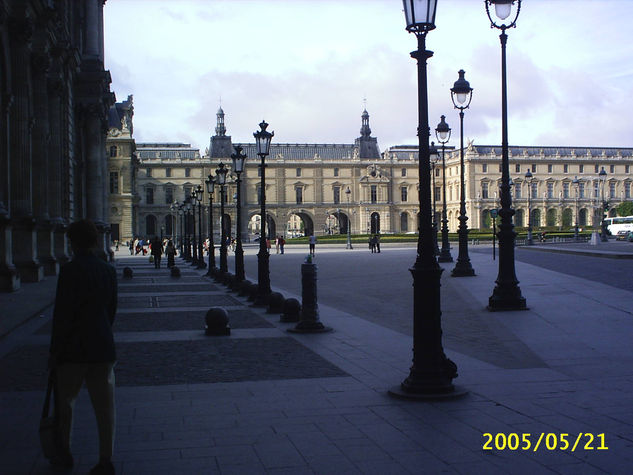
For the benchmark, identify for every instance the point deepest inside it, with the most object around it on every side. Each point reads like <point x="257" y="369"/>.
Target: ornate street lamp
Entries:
<point x="194" y="245"/>
<point x="602" y="176"/>
<point x="434" y="157"/>
<point x="443" y="135"/>
<point x="220" y="176"/>
<point x="188" y="256"/>
<point x="348" y="192"/>
<point x="461" y="95"/>
<point x="506" y="294"/>
<point x="210" y="184"/>
<point x="432" y="372"/>
<point x="262" y="140"/>
<point x="529" y="178"/>
<point x="576" y="185"/>
<point x="181" y="213"/>
<point x="239" y="159"/>
<point x="198" y="195"/>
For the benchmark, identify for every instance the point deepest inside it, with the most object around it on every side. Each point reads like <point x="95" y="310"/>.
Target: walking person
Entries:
<point x="131" y="246"/>
<point x="277" y="244"/>
<point x="372" y="243"/>
<point x="312" y="241"/>
<point x="156" y="248"/>
<point x="170" y="250"/>
<point x="377" y="242"/>
<point x="282" y="243"/>
<point x="82" y="344"/>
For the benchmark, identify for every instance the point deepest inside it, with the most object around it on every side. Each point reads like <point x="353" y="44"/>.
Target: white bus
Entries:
<point x="619" y="223"/>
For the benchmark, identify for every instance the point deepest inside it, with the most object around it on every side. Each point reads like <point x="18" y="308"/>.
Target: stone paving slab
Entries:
<point x="180" y="300"/>
<point x="182" y="362"/>
<point x="168" y="287"/>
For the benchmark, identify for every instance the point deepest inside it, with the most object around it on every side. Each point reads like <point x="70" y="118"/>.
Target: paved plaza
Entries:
<point x="264" y="400"/>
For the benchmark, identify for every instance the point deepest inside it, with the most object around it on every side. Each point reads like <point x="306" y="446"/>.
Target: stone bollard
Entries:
<point x="127" y="273"/>
<point x="291" y="312"/>
<point x="275" y="303"/>
<point x="175" y="272"/>
<point x="252" y="291"/>
<point x="217" y="322"/>
<point x="309" y="322"/>
<point x="244" y="288"/>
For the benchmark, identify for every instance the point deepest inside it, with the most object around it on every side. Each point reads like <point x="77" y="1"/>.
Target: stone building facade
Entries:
<point x="324" y="188"/>
<point x="54" y="99"/>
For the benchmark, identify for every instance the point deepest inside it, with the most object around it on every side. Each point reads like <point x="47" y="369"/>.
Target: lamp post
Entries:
<point x="602" y="176"/>
<point x="187" y="212"/>
<point x="198" y="195"/>
<point x="210" y="184"/>
<point x="443" y="135"/>
<point x="182" y="229"/>
<point x="434" y="157"/>
<point x="348" y="192"/>
<point x="220" y="175"/>
<point x="173" y="208"/>
<point x="506" y="294"/>
<point x="238" y="167"/>
<point x="432" y="372"/>
<point x="194" y="246"/>
<point x="462" y="93"/>
<point x="262" y="140"/>
<point x="529" y="178"/>
<point x="576" y="184"/>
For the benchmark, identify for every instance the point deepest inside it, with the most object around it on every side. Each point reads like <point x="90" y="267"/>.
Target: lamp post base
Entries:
<point x="500" y="302"/>
<point x="445" y="256"/>
<point x="463" y="269"/>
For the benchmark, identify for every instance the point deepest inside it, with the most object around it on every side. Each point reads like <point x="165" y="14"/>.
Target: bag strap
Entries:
<point x="49" y="390"/>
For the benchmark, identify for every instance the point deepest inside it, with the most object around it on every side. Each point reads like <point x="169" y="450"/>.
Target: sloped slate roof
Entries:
<point x="296" y="151"/>
<point x="166" y="150"/>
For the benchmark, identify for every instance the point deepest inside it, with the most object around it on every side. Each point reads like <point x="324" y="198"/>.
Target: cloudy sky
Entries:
<point x="308" y="66"/>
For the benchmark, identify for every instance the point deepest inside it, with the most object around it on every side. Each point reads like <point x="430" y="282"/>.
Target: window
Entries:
<point x="335" y="171"/>
<point x="337" y="195"/>
<point x="299" y="194"/>
<point x="597" y="168"/>
<point x="259" y="170"/>
<point x="484" y="168"/>
<point x="437" y="194"/>
<point x="187" y="190"/>
<point x="484" y="190"/>
<point x="626" y="169"/>
<point x="517" y="168"/>
<point x="581" y="169"/>
<point x="611" y="168"/>
<point x="533" y="168"/>
<point x="148" y="171"/>
<point x="113" y="151"/>
<point x="500" y="169"/>
<point x="169" y="195"/>
<point x="596" y="189"/>
<point x="627" y="190"/>
<point x="298" y="172"/>
<point x="149" y="196"/>
<point x="404" y="194"/>
<point x="437" y="171"/>
<point x="565" y="168"/>
<point x="534" y="190"/>
<point x="168" y="172"/>
<point x="114" y="182"/>
<point x="550" y="167"/>
<point x="517" y="192"/>
<point x="612" y="189"/>
<point x="566" y="189"/>
<point x="550" y="190"/>
<point x="404" y="222"/>
<point x="403" y="172"/>
<point x="581" y="190"/>
<point x="258" y="192"/>
<point x="374" y="193"/>
<point x="187" y="172"/>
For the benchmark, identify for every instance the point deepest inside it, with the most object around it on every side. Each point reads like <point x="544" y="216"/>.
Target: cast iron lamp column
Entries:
<point x="262" y="139"/>
<point x="576" y="183"/>
<point x="182" y="227"/>
<point x="434" y="157"/>
<point x="220" y="174"/>
<point x="199" y="194"/>
<point x="432" y="372"/>
<point x="506" y="294"/>
<point x="602" y="176"/>
<point x="210" y="183"/>
<point x="529" y="179"/>
<point x="348" y="192"/>
<point x="188" y="229"/>
<point x="194" y="245"/>
<point x="443" y="135"/>
<point x="238" y="167"/>
<point x="462" y="93"/>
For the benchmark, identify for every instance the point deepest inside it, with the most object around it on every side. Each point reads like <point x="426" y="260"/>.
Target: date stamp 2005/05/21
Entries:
<point x="544" y="441"/>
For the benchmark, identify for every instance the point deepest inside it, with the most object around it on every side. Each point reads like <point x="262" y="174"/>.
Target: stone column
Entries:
<point x="41" y="142"/>
<point x="24" y="239"/>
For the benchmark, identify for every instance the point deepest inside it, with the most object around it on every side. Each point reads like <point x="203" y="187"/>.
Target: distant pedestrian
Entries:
<point x="82" y="344"/>
<point x="156" y="247"/>
<point x="377" y="242"/>
<point x="372" y="243"/>
<point x="131" y="246"/>
<point x="170" y="251"/>
<point x="312" y="240"/>
<point x="277" y="244"/>
<point x="282" y="243"/>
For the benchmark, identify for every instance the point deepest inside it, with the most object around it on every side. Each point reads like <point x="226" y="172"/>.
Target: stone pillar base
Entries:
<point x="45" y="249"/>
<point x="24" y="250"/>
<point x="9" y="279"/>
<point x="60" y="242"/>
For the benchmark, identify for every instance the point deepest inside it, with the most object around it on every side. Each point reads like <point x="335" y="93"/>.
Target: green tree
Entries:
<point x="625" y="208"/>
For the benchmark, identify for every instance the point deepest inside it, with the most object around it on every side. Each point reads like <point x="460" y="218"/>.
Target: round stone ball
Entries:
<point x="275" y="302"/>
<point x="217" y="321"/>
<point x="291" y="310"/>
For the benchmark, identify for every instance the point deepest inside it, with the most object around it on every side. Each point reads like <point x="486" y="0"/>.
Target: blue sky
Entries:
<point x="307" y="66"/>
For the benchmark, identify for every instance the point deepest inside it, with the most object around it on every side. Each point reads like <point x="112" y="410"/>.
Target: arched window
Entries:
<point x="536" y="217"/>
<point x="567" y="217"/>
<point x="518" y="217"/>
<point x="551" y="217"/>
<point x="375" y="223"/>
<point x="582" y="217"/>
<point x="404" y="222"/>
<point x="113" y="150"/>
<point x="150" y="225"/>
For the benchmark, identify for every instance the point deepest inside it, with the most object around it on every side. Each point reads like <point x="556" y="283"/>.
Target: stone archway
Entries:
<point x="374" y="227"/>
<point x="254" y="226"/>
<point x="299" y="224"/>
<point x="150" y="226"/>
